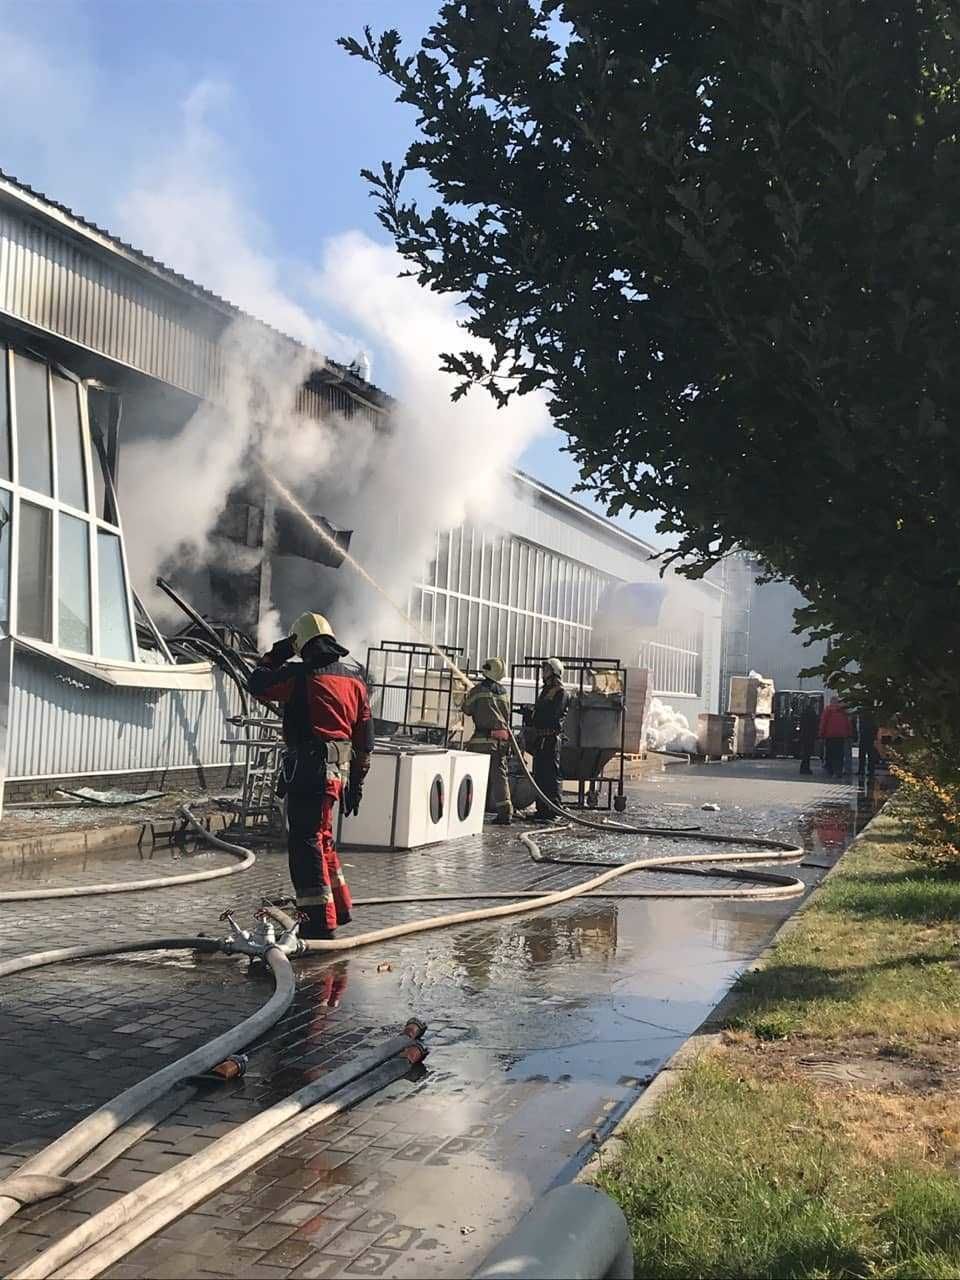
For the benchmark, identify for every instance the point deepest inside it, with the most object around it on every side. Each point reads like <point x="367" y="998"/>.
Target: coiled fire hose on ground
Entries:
<point x="523" y="902"/>
<point x="116" y="1230"/>
<point x="749" y="849"/>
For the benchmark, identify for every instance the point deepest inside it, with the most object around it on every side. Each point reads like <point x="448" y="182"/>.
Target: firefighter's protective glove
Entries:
<point x="354" y="794"/>
<point x="282" y="651"/>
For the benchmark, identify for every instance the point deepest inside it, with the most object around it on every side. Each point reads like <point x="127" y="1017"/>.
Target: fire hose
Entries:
<point x="101" y="1240"/>
<point x="113" y="1232"/>
<point x="761" y="850"/>
<point x="48" y="1172"/>
<point x="95" y="1141"/>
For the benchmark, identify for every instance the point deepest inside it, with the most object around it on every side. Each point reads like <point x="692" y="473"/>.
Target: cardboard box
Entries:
<point x="635" y="710"/>
<point x="750" y="696"/>
<point x="715" y="735"/>
<point x="752" y="735"/>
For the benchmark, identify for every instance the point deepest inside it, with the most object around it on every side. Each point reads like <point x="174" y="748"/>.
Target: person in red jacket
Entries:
<point x="328" y="733"/>
<point x="836" y="729"/>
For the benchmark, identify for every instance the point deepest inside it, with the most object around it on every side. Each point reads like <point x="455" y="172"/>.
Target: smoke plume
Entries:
<point x="439" y="463"/>
<point x="427" y="467"/>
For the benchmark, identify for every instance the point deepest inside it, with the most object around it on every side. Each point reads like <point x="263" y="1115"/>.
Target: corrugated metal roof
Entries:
<point x="65" y="216"/>
<point x="583" y="512"/>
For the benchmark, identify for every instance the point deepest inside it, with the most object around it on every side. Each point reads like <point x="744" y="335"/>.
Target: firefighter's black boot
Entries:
<point x="313" y="926"/>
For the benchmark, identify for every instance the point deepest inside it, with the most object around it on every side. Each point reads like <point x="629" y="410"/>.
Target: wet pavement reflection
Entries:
<point x="544" y="1029"/>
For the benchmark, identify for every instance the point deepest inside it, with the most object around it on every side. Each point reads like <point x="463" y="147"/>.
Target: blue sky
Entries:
<point x="95" y="90"/>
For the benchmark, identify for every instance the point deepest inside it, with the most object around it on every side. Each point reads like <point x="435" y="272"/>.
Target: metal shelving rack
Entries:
<point x="588" y="789"/>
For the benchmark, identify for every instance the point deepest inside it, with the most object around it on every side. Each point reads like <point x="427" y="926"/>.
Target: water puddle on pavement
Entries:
<point x="125" y="862"/>
<point x="543" y="1028"/>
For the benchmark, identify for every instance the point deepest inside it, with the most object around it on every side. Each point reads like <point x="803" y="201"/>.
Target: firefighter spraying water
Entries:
<point x="488" y="705"/>
<point x="358" y="568"/>
<point x="329" y="737"/>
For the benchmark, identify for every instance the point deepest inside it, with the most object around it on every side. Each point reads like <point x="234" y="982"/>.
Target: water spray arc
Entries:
<point x="464" y="680"/>
<point x="358" y="568"/>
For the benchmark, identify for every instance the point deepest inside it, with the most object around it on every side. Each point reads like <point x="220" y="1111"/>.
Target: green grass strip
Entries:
<point x="741" y="1175"/>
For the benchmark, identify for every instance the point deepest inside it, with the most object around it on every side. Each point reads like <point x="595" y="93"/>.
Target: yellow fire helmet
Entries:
<point x="307" y="627"/>
<point x="494" y="669"/>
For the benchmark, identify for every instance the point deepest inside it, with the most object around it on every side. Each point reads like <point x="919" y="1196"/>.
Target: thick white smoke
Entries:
<point x="186" y="205"/>
<point x="434" y="463"/>
<point x="667" y="729"/>
<point x="173" y="489"/>
<point x="439" y="463"/>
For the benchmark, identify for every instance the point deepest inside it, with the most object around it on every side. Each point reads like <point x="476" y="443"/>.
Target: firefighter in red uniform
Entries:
<point x="328" y="734"/>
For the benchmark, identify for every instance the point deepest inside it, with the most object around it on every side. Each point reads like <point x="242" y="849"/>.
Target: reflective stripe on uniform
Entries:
<point x="316" y="899"/>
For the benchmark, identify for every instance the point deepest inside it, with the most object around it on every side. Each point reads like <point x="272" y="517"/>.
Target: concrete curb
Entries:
<point x="703" y="1040"/>
<point x="79" y="840"/>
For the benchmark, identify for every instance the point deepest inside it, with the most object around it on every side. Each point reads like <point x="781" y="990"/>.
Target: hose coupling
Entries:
<point x="242" y="944"/>
<point x="265" y="933"/>
<point x="415" y="1054"/>
<point x="415" y="1029"/>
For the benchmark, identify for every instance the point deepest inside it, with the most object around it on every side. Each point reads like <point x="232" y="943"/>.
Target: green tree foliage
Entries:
<point x="724" y="236"/>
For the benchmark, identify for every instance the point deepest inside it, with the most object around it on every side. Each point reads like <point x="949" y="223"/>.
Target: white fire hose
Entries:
<point x="48" y="1172"/>
<point x="116" y="1230"/>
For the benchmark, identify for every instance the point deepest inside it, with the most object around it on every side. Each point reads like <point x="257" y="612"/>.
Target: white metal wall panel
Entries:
<point x="56" y="285"/>
<point x="52" y="283"/>
<point x="61" y="724"/>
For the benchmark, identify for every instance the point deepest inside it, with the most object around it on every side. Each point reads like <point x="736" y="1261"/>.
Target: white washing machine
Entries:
<point x="468" y="792"/>
<point x="406" y="800"/>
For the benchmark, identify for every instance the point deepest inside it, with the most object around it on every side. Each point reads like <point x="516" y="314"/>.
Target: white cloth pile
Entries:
<point x="668" y="730"/>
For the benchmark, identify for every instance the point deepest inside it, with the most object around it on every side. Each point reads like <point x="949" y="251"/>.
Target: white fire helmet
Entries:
<point x="494" y="669"/>
<point x="555" y="665"/>
<point x="307" y="627"/>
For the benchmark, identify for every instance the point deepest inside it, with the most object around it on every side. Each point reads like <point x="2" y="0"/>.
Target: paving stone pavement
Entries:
<point x="543" y="1030"/>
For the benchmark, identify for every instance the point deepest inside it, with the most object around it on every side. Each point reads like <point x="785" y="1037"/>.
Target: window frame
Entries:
<point x="55" y="505"/>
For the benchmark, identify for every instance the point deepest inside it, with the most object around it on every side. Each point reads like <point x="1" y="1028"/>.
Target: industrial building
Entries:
<point x="758" y="622"/>
<point x="102" y="347"/>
